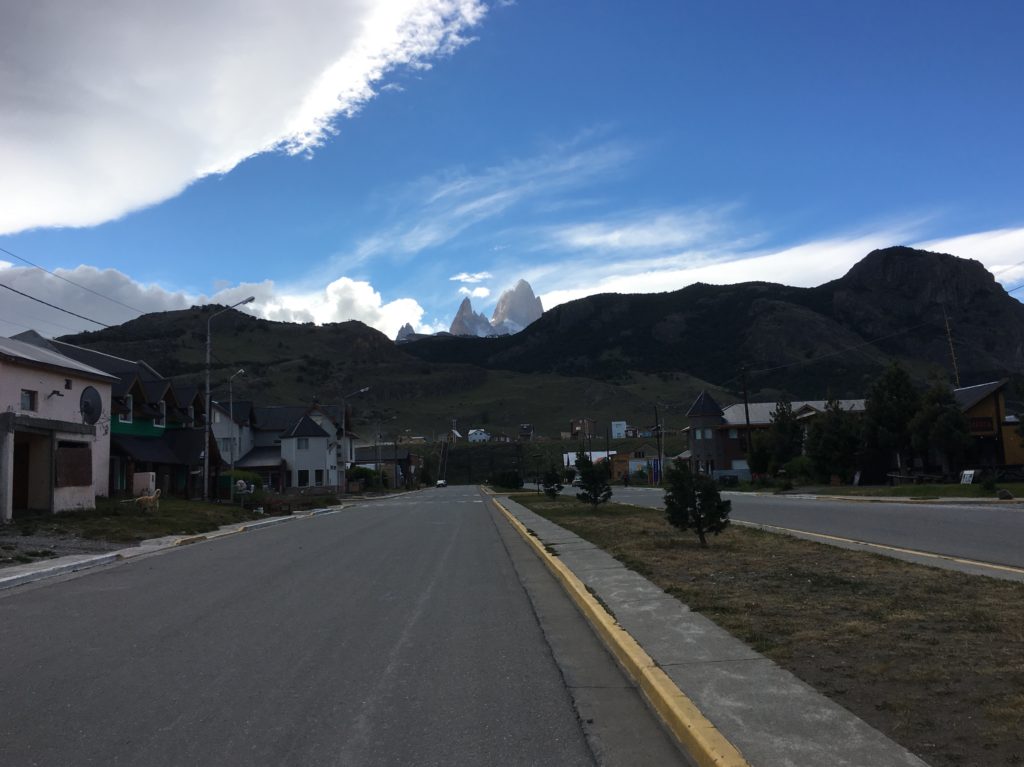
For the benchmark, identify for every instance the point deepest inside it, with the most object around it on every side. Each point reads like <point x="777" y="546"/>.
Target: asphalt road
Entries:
<point x="985" y="533"/>
<point x="412" y="631"/>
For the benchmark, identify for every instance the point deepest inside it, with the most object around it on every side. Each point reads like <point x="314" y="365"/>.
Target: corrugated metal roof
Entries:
<point x="761" y="412"/>
<point x="20" y="351"/>
<point x="969" y="396"/>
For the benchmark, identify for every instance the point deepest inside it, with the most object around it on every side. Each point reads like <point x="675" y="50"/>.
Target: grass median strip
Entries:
<point x="932" y="658"/>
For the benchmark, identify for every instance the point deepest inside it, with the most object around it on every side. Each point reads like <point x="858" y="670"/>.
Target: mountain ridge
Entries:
<point x="589" y="356"/>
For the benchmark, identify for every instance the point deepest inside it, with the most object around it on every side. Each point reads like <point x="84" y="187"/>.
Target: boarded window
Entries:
<point x="74" y="464"/>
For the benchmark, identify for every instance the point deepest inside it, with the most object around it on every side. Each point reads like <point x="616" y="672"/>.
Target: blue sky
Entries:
<point x="199" y="154"/>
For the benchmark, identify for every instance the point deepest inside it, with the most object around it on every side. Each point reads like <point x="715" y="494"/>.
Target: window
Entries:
<point x="302" y="443"/>
<point x="224" y="445"/>
<point x="697" y="433"/>
<point x="707" y="434"/>
<point x="191" y="415"/>
<point x="128" y="405"/>
<point x="734" y="434"/>
<point x="67" y="383"/>
<point x="318" y="477"/>
<point x="216" y="416"/>
<point x="303" y="478"/>
<point x="161" y="416"/>
<point x="976" y="424"/>
<point x="29" y="400"/>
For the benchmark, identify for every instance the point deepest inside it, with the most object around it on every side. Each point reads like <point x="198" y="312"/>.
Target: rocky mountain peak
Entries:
<point x="405" y="332"/>
<point x="516" y="308"/>
<point x="469" y="323"/>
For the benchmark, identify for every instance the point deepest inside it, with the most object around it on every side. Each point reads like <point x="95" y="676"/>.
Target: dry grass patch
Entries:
<point x="933" y="658"/>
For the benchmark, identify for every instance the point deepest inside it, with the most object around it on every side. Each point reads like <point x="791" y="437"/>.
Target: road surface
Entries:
<point x="979" y="532"/>
<point x="417" y="630"/>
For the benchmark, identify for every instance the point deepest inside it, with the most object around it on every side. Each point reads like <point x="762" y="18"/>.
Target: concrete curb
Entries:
<point x="701" y="739"/>
<point x="38" y="571"/>
<point x="73" y="563"/>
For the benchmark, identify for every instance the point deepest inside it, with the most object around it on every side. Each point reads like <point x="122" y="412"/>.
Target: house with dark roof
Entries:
<point x="288" y="446"/>
<point x="994" y="431"/>
<point x="719" y="437"/>
<point x="54" y="430"/>
<point x="156" y="426"/>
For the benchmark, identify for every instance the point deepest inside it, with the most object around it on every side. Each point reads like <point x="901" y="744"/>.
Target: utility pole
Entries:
<point x="746" y="410"/>
<point x="952" y="353"/>
<point x="657" y="427"/>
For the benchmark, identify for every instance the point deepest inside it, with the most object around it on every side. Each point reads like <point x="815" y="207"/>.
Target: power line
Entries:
<point x="71" y="282"/>
<point x="37" y="319"/>
<point x="53" y="306"/>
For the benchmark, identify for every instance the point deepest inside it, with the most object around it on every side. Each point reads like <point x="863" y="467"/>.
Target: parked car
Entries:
<point x="442" y="483"/>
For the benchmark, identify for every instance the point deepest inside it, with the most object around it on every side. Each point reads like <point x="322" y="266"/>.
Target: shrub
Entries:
<point x="693" y="501"/>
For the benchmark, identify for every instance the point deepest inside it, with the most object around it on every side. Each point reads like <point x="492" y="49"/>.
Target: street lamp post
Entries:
<point x="344" y="444"/>
<point x="231" y="415"/>
<point x="209" y="403"/>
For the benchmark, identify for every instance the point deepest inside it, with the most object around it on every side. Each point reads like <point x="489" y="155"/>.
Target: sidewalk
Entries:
<point x="18" y="575"/>
<point x="768" y="714"/>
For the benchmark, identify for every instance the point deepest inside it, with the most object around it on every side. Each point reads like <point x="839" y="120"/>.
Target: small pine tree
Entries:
<point x="552" y="482"/>
<point x="693" y="501"/>
<point x="594" y="488"/>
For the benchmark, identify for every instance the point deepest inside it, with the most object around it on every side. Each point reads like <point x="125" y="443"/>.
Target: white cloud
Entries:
<point x="108" y="107"/>
<point x="467" y="278"/>
<point x="436" y="210"/>
<point x="343" y="299"/>
<point x="1000" y="250"/>
<point x="648" y="231"/>
<point x="804" y="265"/>
<point x="480" y="292"/>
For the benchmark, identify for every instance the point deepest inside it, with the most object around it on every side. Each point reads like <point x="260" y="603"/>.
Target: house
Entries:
<point x="719" y="437"/>
<point x="581" y="428"/>
<point x="996" y="439"/>
<point x="478" y="435"/>
<point x="526" y="432"/>
<point x="156" y="426"/>
<point x="643" y="458"/>
<point x="288" y="446"/>
<point x="618" y="429"/>
<point x="54" y="430"/>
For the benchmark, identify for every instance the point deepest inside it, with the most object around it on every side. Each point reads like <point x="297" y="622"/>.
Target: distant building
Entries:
<point x="718" y="436"/>
<point x="581" y="428"/>
<point x="619" y="429"/>
<point x="478" y="435"/>
<point x="525" y="432"/>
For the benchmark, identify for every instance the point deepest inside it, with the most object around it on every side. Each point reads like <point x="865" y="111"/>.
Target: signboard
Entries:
<point x="967" y="477"/>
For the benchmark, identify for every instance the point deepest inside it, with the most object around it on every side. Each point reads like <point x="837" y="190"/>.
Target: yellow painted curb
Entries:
<point x="701" y="739"/>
